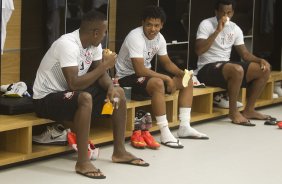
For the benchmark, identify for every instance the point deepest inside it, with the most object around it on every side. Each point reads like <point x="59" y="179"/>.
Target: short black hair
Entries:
<point x="93" y="15"/>
<point x="90" y="19"/>
<point x="155" y="12"/>
<point x="224" y="2"/>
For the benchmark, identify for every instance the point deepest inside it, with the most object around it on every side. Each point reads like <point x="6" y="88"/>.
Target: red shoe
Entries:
<point x="137" y="140"/>
<point x="149" y="139"/>
<point x="279" y="124"/>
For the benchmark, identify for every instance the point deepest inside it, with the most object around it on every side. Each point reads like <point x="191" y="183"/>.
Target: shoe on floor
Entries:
<point x="137" y="140"/>
<point x="149" y="139"/>
<point x="185" y="132"/>
<point x="222" y="101"/>
<point x="55" y="134"/>
<point x="278" y="90"/>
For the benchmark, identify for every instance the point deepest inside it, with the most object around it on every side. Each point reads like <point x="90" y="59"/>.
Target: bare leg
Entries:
<point x="119" y="124"/>
<point x="234" y="75"/>
<point x="82" y="120"/>
<point x="258" y="79"/>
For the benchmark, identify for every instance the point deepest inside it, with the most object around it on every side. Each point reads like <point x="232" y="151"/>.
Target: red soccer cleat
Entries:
<point x="137" y="140"/>
<point x="149" y="139"/>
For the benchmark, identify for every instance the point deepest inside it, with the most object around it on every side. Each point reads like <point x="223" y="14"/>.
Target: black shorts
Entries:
<point x="62" y="106"/>
<point x="211" y="74"/>
<point x="138" y="84"/>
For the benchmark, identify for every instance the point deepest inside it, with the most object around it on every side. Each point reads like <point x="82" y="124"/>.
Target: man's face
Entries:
<point x="224" y="10"/>
<point x="99" y="34"/>
<point x="152" y="27"/>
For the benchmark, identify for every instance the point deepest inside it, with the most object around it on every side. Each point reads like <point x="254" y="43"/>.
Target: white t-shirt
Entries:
<point x="137" y="45"/>
<point x="220" y="50"/>
<point x="65" y="52"/>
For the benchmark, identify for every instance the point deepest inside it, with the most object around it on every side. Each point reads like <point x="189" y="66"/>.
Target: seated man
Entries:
<point x="72" y="83"/>
<point x="215" y="38"/>
<point x="134" y="69"/>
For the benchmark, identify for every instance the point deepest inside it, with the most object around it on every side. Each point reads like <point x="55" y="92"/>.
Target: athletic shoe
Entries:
<point x="143" y="120"/>
<point x="196" y="83"/>
<point x="278" y="90"/>
<point x="222" y="101"/>
<point x="149" y="139"/>
<point x="17" y="89"/>
<point x="93" y="152"/>
<point x="137" y="140"/>
<point x="55" y="134"/>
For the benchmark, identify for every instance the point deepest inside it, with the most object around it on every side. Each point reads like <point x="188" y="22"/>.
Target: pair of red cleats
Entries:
<point x="142" y="138"/>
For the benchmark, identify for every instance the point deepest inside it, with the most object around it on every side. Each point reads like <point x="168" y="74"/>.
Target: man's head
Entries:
<point x="153" y="19"/>
<point x="224" y="8"/>
<point x="93" y="28"/>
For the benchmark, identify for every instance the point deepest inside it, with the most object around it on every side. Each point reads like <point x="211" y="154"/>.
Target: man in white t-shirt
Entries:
<point x="7" y="9"/>
<point x="72" y="84"/>
<point x="133" y="69"/>
<point x="215" y="38"/>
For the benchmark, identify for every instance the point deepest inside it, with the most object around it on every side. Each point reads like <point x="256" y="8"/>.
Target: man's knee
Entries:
<point x="234" y="71"/>
<point x="85" y="99"/>
<point x="155" y="85"/>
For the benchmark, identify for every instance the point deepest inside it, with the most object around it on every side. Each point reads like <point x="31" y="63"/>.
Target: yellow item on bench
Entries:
<point x="108" y="108"/>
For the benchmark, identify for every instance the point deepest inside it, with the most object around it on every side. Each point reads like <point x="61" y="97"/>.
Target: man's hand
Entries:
<point x="109" y="58"/>
<point x="264" y="65"/>
<point x="114" y="97"/>
<point x="221" y="23"/>
<point x="171" y="88"/>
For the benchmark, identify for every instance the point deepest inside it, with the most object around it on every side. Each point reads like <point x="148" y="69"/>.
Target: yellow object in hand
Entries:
<point x="186" y="77"/>
<point x="108" y="108"/>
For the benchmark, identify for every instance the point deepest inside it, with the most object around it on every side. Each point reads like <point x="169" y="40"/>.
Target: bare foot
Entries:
<point x="237" y="117"/>
<point x="89" y="170"/>
<point x="125" y="157"/>
<point x="254" y="115"/>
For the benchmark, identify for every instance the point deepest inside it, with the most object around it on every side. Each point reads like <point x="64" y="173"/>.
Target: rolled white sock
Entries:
<point x="166" y="134"/>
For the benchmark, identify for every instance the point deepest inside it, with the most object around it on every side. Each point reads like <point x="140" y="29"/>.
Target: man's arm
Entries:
<point x="97" y="69"/>
<point x="203" y="45"/>
<point x="249" y="57"/>
<point x="169" y="66"/>
<point x="140" y="70"/>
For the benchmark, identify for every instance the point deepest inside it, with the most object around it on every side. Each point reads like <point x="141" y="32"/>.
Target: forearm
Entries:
<point x="150" y="73"/>
<point x="172" y="68"/>
<point x="84" y="81"/>
<point x="203" y="45"/>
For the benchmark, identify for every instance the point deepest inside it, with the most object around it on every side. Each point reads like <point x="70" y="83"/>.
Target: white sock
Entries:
<point x="184" y="127"/>
<point x="185" y="116"/>
<point x="166" y="135"/>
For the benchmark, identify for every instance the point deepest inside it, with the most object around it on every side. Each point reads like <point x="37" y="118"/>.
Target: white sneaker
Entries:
<point x="278" y="90"/>
<point x="222" y="101"/>
<point x="55" y="134"/>
<point x="196" y="83"/>
<point x="15" y="90"/>
<point x="274" y="95"/>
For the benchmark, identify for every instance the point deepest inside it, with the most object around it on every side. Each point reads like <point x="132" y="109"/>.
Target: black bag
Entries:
<point x="11" y="106"/>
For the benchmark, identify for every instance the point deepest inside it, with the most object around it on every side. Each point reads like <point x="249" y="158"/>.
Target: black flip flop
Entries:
<point x="178" y="146"/>
<point x="131" y="162"/>
<point x="90" y="176"/>
<point x="248" y="123"/>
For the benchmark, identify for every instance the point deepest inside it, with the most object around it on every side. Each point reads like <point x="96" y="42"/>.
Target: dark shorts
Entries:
<point x="62" y="106"/>
<point x="138" y="84"/>
<point x="211" y="74"/>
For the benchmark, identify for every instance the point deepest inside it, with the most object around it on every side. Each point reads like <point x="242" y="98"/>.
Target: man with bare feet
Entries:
<point x="72" y="83"/>
<point x="215" y="38"/>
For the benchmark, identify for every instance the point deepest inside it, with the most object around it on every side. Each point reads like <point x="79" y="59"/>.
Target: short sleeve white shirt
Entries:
<point x="137" y="45"/>
<point x="220" y="50"/>
<point x="65" y="52"/>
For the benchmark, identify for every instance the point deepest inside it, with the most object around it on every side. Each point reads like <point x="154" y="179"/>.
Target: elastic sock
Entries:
<point x="185" y="116"/>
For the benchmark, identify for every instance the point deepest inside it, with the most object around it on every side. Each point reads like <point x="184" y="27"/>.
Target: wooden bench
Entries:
<point x="16" y="130"/>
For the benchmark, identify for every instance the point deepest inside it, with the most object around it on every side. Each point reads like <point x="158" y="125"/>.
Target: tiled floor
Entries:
<point x="233" y="155"/>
